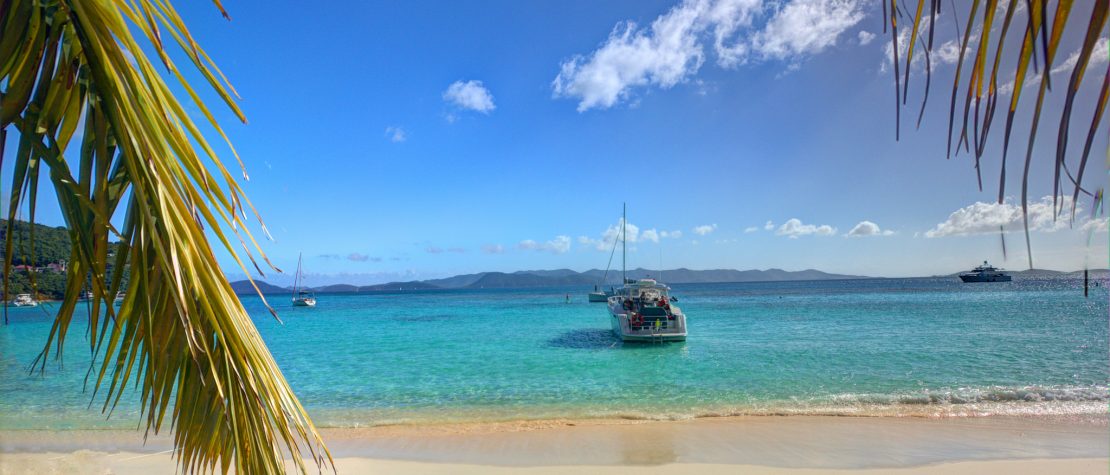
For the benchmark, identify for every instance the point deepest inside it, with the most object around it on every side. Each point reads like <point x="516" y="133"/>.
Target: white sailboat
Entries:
<point x="302" y="297"/>
<point x="642" y="309"/>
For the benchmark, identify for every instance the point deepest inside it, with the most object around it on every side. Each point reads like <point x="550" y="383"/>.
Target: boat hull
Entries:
<point x="598" y="297"/>
<point x="969" y="278"/>
<point x="304" y="302"/>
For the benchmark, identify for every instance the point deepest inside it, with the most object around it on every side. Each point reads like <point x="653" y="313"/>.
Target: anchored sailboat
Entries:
<point x="599" y="295"/>
<point x="302" y="297"/>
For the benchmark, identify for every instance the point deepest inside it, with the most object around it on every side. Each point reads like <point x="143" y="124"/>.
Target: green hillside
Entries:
<point x="51" y="246"/>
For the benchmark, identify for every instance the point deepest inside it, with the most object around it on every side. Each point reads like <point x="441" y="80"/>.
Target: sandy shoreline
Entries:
<point x="754" y="444"/>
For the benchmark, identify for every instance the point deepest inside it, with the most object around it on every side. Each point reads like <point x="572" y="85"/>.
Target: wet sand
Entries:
<point x="759" y="444"/>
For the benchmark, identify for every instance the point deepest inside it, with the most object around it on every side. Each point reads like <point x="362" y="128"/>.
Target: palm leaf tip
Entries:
<point x="180" y="336"/>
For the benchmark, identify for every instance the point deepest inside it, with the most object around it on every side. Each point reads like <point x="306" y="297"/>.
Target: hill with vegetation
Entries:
<point x="39" y="267"/>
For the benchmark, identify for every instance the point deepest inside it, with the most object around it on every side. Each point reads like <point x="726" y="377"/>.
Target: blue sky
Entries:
<point x="401" y="140"/>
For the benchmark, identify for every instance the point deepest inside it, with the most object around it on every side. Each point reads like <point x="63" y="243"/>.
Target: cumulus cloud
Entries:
<point x="865" y="37"/>
<point x="769" y="226"/>
<point x="982" y="218"/>
<point x="868" y="228"/>
<point x="469" y="95"/>
<point x="705" y="229"/>
<point x="805" y="27"/>
<point x="672" y="48"/>
<point x="612" y="234"/>
<point x="493" y="249"/>
<point x="793" y="228"/>
<point x="559" y="245"/>
<point x="396" y="134"/>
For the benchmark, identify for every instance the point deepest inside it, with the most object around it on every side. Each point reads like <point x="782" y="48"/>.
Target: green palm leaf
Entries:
<point x="180" y="336"/>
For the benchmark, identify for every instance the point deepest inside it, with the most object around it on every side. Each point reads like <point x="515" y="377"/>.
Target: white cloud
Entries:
<point x="794" y="227"/>
<point x="982" y="218"/>
<point x="469" y="95"/>
<point x="396" y="134"/>
<point x="354" y="256"/>
<point x="705" y="229"/>
<point x="559" y="245"/>
<point x="1099" y="56"/>
<point x="805" y="27"/>
<point x="751" y="229"/>
<point x="493" y="249"/>
<point x="769" y="226"/>
<point x="671" y="49"/>
<point x="612" y="235"/>
<point x="865" y="37"/>
<point x="676" y="234"/>
<point x="868" y="228"/>
<point x="1096" y="225"/>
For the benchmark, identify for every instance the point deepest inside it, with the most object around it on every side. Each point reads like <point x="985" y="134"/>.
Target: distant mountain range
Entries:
<point x="561" y="278"/>
<point x="568" y="278"/>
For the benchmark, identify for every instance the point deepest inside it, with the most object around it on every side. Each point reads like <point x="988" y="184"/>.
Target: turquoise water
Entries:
<point x="930" y="347"/>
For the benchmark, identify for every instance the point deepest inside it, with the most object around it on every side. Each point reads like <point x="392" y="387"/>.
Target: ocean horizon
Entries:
<point x="930" y="347"/>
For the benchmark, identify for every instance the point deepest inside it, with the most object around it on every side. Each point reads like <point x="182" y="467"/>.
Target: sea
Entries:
<point x="926" y="347"/>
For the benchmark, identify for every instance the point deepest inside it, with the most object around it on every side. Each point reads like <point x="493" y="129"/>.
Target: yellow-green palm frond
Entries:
<point x="180" y="336"/>
<point x="1038" y="42"/>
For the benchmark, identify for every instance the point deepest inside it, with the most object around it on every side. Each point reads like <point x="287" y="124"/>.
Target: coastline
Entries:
<point x="759" y="444"/>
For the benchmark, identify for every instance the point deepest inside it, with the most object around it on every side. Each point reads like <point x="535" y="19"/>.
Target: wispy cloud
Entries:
<point x="470" y="95"/>
<point x="865" y="37"/>
<point x="705" y="229"/>
<point x="354" y="256"/>
<point x="396" y="134"/>
<point x="672" y="48"/>
<point x="793" y="228"/>
<point x="559" y="245"/>
<point x="493" y="249"/>
<point x="751" y="229"/>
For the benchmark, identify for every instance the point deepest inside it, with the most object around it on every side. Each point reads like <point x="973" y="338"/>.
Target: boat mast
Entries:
<point x="297" y="277"/>
<point x="624" y="243"/>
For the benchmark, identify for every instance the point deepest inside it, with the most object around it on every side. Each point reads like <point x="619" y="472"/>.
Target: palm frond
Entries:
<point x="979" y="111"/>
<point x="180" y="337"/>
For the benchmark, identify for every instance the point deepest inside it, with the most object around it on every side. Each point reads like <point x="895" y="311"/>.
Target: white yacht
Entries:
<point x="302" y="297"/>
<point x="643" y="310"/>
<point x="986" y="273"/>
<point x="24" y="300"/>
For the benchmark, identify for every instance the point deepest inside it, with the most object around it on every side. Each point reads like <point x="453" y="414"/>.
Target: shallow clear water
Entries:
<point x="932" y="347"/>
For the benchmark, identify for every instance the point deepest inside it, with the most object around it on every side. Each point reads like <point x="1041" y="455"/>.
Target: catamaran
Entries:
<point x="302" y="297"/>
<point x="643" y="310"/>
<point x="24" y="300"/>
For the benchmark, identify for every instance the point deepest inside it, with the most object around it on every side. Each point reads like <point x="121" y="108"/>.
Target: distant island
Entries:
<point x="562" y="278"/>
<point x="568" y="278"/>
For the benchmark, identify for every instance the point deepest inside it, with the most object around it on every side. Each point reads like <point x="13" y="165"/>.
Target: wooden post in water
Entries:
<point x="1086" y="282"/>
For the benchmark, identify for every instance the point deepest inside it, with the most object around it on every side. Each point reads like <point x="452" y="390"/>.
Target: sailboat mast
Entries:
<point x="624" y="243"/>
<point x="297" y="278"/>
